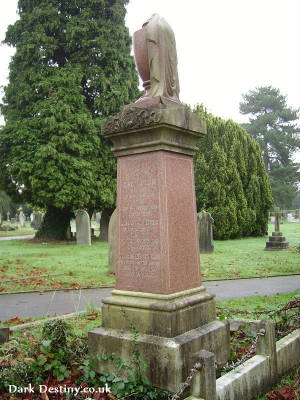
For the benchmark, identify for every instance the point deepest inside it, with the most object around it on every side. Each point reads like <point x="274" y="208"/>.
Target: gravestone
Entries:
<point x="291" y="218"/>
<point x="22" y="219"/>
<point x="284" y="215"/>
<point x="277" y="240"/>
<point x="83" y="228"/>
<point x="8" y="216"/>
<point x="37" y="219"/>
<point x="112" y="240"/>
<point x="98" y="217"/>
<point x="13" y="220"/>
<point x="104" y="222"/>
<point x="158" y="279"/>
<point x="205" y="232"/>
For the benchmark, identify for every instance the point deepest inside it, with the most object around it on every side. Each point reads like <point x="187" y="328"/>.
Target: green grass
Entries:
<point x="242" y="258"/>
<point x="60" y="265"/>
<point x="257" y="303"/>
<point x="282" y="309"/>
<point x="27" y="230"/>
<point x="81" y="325"/>
<point x="52" y="265"/>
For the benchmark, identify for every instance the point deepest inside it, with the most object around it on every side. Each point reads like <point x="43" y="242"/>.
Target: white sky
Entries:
<point x="225" y="47"/>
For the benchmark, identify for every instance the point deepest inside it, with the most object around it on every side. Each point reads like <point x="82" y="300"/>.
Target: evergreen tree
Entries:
<point x="273" y="125"/>
<point x="296" y="202"/>
<point x="230" y="179"/>
<point x="5" y="205"/>
<point x="71" y="70"/>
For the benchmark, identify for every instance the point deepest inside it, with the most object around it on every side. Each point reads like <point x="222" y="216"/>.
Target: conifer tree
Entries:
<point x="71" y="70"/>
<point x="230" y="179"/>
<point x="274" y="126"/>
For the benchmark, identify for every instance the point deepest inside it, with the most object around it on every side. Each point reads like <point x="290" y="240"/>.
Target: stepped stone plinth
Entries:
<point x="277" y="240"/>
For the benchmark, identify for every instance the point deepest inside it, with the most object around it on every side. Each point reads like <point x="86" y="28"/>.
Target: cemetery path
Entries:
<point x="17" y="237"/>
<point x="36" y="304"/>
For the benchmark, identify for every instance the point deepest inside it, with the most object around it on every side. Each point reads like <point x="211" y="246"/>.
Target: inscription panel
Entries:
<point x="139" y="252"/>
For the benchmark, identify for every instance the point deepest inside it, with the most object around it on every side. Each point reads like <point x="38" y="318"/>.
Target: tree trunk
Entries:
<point x="105" y="216"/>
<point x="55" y="225"/>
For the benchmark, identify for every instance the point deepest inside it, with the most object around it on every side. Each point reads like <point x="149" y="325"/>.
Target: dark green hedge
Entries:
<point x="230" y="179"/>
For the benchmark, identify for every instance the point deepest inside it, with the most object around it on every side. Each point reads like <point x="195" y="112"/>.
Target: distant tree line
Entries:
<point x="275" y="127"/>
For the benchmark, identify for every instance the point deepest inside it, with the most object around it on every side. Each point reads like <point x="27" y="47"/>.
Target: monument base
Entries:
<point x="184" y="323"/>
<point x="276" y="242"/>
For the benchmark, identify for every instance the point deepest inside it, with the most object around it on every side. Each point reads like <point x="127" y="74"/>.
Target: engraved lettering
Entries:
<point x="139" y="257"/>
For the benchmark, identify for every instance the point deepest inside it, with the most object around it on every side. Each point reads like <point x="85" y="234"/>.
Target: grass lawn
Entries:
<point x="81" y="324"/>
<point x="26" y="265"/>
<point x="29" y="265"/>
<point x="241" y="258"/>
<point x="27" y="230"/>
<point x="257" y="303"/>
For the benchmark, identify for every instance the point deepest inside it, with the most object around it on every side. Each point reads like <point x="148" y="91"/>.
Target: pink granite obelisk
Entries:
<point x="158" y="279"/>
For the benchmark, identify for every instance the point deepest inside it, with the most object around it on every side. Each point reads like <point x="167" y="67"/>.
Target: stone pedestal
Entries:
<point x="276" y="242"/>
<point x="158" y="279"/>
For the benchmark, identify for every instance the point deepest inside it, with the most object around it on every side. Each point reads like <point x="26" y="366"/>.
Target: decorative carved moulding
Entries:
<point x="132" y="118"/>
<point x="139" y="130"/>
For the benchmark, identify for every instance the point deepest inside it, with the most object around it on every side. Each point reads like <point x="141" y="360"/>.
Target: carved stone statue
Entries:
<point x="156" y="61"/>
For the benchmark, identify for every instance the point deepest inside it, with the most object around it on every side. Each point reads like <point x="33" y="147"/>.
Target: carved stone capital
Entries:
<point x="132" y="118"/>
<point x="140" y="130"/>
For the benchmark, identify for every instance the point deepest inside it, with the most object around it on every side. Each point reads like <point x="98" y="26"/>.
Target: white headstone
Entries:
<point x="98" y="217"/>
<point x="291" y="218"/>
<point x="37" y="220"/>
<point x="22" y="219"/>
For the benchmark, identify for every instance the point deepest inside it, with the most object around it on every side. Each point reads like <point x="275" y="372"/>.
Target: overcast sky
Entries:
<point x="225" y="47"/>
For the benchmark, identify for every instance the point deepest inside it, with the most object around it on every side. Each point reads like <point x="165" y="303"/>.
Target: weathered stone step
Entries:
<point x="276" y="239"/>
<point x="276" y="245"/>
